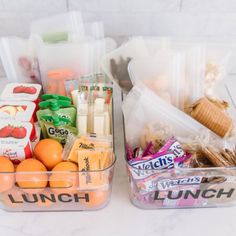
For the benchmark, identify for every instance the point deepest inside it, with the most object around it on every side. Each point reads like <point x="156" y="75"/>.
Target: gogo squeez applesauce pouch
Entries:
<point x="61" y="108"/>
<point x="58" y="128"/>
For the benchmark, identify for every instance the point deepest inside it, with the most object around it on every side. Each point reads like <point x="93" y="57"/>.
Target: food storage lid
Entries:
<point x="13" y="110"/>
<point x="21" y="91"/>
<point x="55" y="96"/>
<point x="54" y="104"/>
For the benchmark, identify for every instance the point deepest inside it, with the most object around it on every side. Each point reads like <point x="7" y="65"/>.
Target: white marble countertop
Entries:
<point x="120" y="217"/>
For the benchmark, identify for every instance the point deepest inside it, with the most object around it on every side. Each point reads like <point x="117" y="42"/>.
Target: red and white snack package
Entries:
<point x="15" y="140"/>
<point x="18" y="111"/>
<point x="22" y="92"/>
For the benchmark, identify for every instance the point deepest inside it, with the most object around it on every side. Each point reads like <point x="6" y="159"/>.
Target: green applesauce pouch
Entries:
<point x="46" y="97"/>
<point x="58" y="128"/>
<point x="61" y="108"/>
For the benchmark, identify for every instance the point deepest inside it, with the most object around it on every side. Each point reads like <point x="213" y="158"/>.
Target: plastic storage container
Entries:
<point x="150" y="188"/>
<point x="64" y="191"/>
<point x="182" y="188"/>
<point x="57" y="198"/>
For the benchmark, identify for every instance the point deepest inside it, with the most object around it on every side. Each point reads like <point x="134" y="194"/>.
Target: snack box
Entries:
<point x="18" y="111"/>
<point x="92" y="193"/>
<point x="15" y="140"/>
<point x="22" y="92"/>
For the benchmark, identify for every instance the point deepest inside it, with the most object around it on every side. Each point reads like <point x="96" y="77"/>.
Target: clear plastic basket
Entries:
<point x="65" y="193"/>
<point x="182" y="187"/>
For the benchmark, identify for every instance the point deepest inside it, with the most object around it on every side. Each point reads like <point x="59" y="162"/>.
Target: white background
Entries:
<point x="212" y="18"/>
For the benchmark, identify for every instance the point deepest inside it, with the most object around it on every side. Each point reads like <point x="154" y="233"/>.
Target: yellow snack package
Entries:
<point x="93" y="155"/>
<point x="76" y="144"/>
<point x="92" y="163"/>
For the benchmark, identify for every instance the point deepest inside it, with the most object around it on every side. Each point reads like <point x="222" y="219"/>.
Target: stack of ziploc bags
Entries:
<point x="179" y="120"/>
<point x="74" y="107"/>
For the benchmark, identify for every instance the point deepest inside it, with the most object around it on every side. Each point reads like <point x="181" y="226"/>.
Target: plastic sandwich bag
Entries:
<point x="63" y="63"/>
<point x="143" y="109"/>
<point x="218" y="63"/>
<point x="100" y="48"/>
<point x="164" y="74"/>
<point x="217" y="58"/>
<point x="156" y="44"/>
<point x="206" y="64"/>
<point x="94" y="30"/>
<point x="19" y="60"/>
<point x="115" y="63"/>
<point x="195" y="74"/>
<point x="89" y="31"/>
<point x="59" y="28"/>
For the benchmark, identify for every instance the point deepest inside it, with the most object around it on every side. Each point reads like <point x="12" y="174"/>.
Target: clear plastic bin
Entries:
<point x="65" y="193"/>
<point x="182" y="188"/>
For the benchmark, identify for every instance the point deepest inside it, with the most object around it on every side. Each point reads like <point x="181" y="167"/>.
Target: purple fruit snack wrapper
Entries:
<point x="148" y="150"/>
<point x="156" y="182"/>
<point x="184" y="161"/>
<point x="144" y="167"/>
<point x="129" y="152"/>
<point x="173" y="145"/>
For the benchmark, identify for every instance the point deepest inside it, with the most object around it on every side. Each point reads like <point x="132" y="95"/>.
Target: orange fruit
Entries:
<point x="32" y="182"/>
<point x="7" y="180"/>
<point x="65" y="181"/>
<point x="49" y="152"/>
<point x="97" y="198"/>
